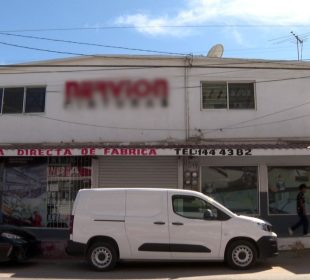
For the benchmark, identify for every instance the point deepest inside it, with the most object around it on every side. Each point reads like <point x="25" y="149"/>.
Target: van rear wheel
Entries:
<point x="241" y="254"/>
<point x="102" y="256"/>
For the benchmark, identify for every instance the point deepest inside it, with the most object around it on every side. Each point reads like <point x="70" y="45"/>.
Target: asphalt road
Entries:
<point x="287" y="266"/>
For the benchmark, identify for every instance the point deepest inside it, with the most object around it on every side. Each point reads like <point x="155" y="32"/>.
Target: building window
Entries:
<point x="35" y="100"/>
<point x="235" y="187"/>
<point x="223" y="95"/>
<point x="13" y="100"/>
<point x="22" y="100"/>
<point x="283" y="184"/>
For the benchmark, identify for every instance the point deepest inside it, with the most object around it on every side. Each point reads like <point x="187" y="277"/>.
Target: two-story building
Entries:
<point x="237" y="130"/>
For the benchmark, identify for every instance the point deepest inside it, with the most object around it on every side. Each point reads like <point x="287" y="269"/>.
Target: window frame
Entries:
<point x="227" y="82"/>
<point x="24" y="100"/>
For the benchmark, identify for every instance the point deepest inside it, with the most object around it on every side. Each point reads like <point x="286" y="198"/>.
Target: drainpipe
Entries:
<point x="187" y="65"/>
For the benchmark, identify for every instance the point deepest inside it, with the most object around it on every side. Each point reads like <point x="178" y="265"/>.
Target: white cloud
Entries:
<point x="273" y="12"/>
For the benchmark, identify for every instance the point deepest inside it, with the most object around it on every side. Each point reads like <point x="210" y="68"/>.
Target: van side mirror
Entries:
<point x="208" y="215"/>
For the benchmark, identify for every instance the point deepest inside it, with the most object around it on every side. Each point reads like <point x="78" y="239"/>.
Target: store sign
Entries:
<point x="120" y="93"/>
<point x="109" y="151"/>
<point x="69" y="171"/>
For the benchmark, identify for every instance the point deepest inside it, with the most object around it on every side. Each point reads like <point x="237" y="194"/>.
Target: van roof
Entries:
<point x="135" y="189"/>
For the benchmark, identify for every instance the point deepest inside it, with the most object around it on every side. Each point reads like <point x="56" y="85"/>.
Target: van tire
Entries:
<point x="241" y="254"/>
<point x="102" y="256"/>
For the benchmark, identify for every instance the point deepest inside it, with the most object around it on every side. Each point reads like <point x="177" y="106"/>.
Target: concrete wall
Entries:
<point x="156" y="124"/>
<point x="271" y="97"/>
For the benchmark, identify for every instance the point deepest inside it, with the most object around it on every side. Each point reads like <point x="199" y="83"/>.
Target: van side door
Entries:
<point x="194" y="227"/>
<point x="146" y="224"/>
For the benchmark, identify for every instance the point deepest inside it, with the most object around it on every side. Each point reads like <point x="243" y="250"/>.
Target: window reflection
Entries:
<point x="235" y="187"/>
<point x="283" y="188"/>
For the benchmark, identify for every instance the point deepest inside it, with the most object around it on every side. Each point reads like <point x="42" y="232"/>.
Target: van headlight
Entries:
<point x="265" y="227"/>
<point x="10" y="235"/>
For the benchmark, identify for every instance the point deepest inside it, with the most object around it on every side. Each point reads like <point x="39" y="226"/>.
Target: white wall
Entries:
<point x="270" y="97"/>
<point x="37" y="128"/>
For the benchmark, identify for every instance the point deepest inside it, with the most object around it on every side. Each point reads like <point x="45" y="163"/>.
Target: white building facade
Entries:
<point x="237" y="130"/>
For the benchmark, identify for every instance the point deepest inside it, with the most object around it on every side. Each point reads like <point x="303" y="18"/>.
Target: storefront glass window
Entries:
<point x="234" y="186"/>
<point x="283" y="188"/>
<point x="23" y="184"/>
<point x="39" y="192"/>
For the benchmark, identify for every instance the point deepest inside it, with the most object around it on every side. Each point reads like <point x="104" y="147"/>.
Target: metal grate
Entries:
<point x="65" y="177"/>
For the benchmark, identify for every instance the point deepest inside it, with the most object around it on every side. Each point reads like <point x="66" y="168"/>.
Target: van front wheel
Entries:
<point x="102" y="256"/>
<point x="241" y="254"/>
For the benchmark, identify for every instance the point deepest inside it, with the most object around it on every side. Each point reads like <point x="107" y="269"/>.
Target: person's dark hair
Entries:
<point x="302" y="186"/>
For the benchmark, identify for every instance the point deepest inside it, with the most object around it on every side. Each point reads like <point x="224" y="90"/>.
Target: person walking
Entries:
<point x="301" y="211"/>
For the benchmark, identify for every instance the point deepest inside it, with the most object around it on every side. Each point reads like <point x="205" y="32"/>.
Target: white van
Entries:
<point x="109" y="225"/>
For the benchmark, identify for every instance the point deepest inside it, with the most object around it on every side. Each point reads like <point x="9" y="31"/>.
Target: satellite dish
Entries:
<point x="216" y="51"/>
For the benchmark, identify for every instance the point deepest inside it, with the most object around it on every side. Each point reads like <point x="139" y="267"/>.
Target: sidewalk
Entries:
<point x="294" y="243"/>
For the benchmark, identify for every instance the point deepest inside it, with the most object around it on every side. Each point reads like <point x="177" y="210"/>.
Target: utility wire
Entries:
<point x="125" y="48"/>
<point x="153" y="26"/>
<point x="109" y="127"/>
<point x="168" y="129"/>
<point x="230" y="64"/>
<point x="272" y="122"/>
<point x="232" y="126"/>
<point x="92" y="44"/>
<point x="220" y="65"/>
<point x="47" y="50"/>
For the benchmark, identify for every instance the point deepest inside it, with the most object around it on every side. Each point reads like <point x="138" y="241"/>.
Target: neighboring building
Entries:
<point x="237" y="130"/>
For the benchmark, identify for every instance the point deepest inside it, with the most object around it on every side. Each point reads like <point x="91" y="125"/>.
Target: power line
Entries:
<point x="154" y="26"/>
<point x="45" y="50"/>
<point x="220" y="65"/>
<point x="124" y="48"/>
<point x="110" y="127"/>
<point x="168" y="129"/>
<point x="264" y="116"/>
<point x="92" y="44"/>
<point x="155" y="67"/>
<point x="272" y="122"/>
<point x="232" y="65"/>
<point x="254" y="119"/>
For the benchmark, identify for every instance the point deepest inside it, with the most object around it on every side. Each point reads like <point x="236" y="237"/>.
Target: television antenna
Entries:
<point x="299" y="44"/>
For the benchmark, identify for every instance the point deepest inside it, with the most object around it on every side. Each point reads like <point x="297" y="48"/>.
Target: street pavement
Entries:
<point x="287" y="266"/>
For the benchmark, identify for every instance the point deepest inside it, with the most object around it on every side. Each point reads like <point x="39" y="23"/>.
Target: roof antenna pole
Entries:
<point x="298" y="41"/>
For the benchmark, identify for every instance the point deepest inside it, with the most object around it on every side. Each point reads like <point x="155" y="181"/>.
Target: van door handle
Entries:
<point x="177" y="224"/>
<point x="159" y="223"/>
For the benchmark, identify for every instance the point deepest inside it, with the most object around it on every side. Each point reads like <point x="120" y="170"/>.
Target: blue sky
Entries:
<point x="246" y="28"/>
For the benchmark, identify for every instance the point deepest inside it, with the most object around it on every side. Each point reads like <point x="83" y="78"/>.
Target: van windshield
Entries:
<point x="220" y="206"/>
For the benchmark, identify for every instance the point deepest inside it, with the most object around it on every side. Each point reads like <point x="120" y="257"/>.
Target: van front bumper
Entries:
<point x="268" y="246"/>
<point x="75" y="248"/>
